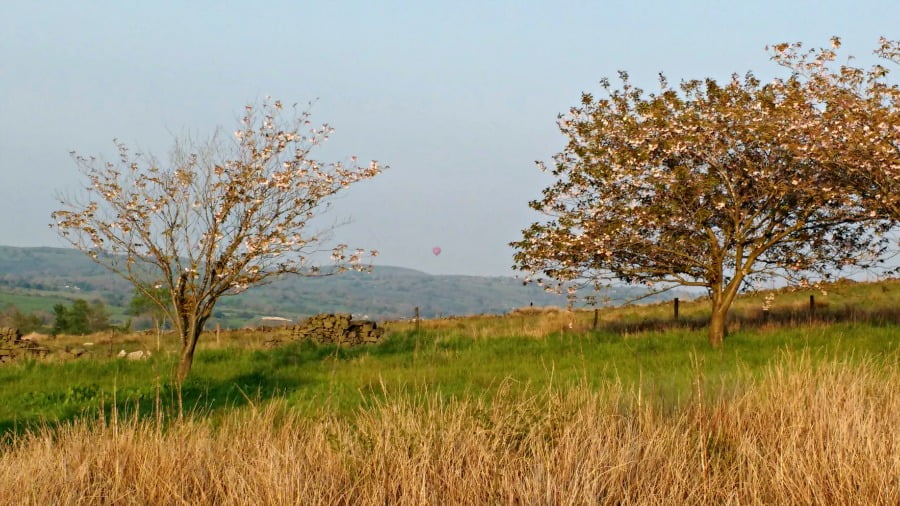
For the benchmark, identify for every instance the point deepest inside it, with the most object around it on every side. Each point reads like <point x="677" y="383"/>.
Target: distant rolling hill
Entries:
<point x="32" y="276"/>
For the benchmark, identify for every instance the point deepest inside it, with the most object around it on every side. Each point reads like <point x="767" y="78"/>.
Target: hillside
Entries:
<point x="37" y="278"/>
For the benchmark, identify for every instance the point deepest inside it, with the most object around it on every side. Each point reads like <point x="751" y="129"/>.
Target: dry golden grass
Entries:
<point x="841" y="301"/>
<point x="802" y="434"/>
<point x="523" y="322"/>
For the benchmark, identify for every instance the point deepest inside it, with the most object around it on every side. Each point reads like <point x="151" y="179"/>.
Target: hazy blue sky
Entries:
<point x="458" y="98"/>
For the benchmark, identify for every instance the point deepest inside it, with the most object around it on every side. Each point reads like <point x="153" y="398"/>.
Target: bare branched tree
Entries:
<point x="225" y="214"/>
<point x="708" y="185"/>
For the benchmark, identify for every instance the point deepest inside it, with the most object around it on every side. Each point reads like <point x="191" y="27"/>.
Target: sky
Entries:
<point x="458" y="99"/>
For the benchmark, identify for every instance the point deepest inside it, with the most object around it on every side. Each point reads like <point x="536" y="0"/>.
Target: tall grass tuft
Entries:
<point x="802" y="433"/>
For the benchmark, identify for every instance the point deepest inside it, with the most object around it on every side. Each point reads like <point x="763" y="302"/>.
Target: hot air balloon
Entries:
<point x="436" y="250"/>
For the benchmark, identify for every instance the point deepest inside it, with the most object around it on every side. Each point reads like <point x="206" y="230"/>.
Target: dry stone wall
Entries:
<point x="12" y="346"/>
<point x="337" y="328"/>
<point x="9" y="335"/>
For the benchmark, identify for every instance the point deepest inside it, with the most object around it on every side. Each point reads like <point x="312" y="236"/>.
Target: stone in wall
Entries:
<point x="12" y="346"/>
<point x="338" y="329"/>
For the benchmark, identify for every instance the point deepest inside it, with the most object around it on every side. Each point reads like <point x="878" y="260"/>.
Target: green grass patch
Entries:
<point x="665" y="365"/>
<point x="33" y="303"/>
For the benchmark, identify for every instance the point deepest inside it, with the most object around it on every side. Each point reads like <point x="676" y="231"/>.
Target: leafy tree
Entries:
<point x="860" y="111"/>
<point x="709" y="185"/>
<point x="80" y="318"/>
<point x="97" y="316"/>
<point x="224" y="215"/>
<point x="60" y="319"/>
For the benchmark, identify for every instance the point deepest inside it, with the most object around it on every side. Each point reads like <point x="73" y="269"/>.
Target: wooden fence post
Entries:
<point x="812" y="305"/>
<point x="417" y="318"/>
<point x="596" y="317"/>
<point x="676" y="307"/>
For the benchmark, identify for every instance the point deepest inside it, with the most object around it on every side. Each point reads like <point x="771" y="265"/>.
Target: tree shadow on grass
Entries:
<point x="221" y="380"/>
<point x="161" y="401"/>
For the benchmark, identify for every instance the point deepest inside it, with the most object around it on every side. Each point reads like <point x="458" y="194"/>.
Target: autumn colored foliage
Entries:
<point x="714" y="185"/>
<point x="860" y="113"/>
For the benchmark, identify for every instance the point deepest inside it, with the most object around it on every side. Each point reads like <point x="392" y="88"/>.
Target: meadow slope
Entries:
<point x="538" y="406"/>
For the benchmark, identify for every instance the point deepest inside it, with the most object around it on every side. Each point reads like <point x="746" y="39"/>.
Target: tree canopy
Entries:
<point x="860" y="118"/>
<point x="80" y="317"/>
<point x="708" y="185"/>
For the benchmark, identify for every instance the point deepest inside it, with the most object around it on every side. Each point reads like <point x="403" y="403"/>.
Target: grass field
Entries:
<point x="799" y="432"/>
<point x="33" y="303"/>
<point x="533" y="407"/>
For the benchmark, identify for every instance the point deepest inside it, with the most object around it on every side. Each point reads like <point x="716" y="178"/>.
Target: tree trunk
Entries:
<point x="158" y="333"/>
<point x="187" y="350"/>
<point x="722" y="297"/>
<point x="186" y="358"/>
<point x="717" y="326"/>
<point x="191" y="328"/>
